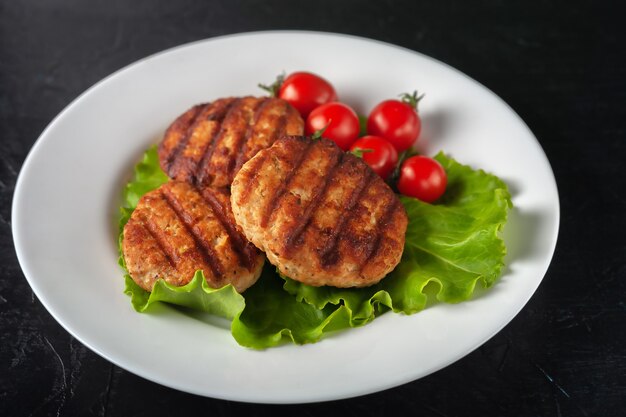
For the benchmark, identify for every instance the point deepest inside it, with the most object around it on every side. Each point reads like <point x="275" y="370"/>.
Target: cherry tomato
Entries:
<point x="306" y="91"/>
<point x="340" y="121"/>
<point x="382" y="157"/>
<point x="397" y="121"/>
<point x="423" y="178"/>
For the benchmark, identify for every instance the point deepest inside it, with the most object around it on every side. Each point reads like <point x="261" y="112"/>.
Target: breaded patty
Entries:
<point x="321" y="215"/>
<point x="178" y="229"/>
<point x="208" y="144"/>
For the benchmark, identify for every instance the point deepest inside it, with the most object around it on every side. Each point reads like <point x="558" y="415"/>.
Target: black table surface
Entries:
<point x="560" y="65"/>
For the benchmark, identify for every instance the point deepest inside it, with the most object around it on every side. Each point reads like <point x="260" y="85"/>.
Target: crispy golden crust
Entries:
<point x="322" y="216"/>
<point x="178" y="229"/>
<point x="208" y="144"/>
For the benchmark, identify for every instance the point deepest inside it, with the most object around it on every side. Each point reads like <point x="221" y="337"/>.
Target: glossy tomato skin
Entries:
<point x="340" y="121"/>
<point x="395" y="121"/>
<point x="306" y="91"/>
<point x="423" y="178"/>
<point x="383" y="156"/>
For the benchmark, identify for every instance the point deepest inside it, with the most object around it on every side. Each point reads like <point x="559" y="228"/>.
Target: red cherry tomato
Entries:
<point x="382" y="157"/>
<point x="423" y="178"/>
<point x="396" y="121"/>
<point x="340" y="121"/>
<point x="306" y="91"/>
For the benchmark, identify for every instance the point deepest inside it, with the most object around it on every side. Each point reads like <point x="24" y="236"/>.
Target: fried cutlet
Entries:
<point x="178" y="229"/>
<point x="321" y="215"/>
<point x="208" y="144"/>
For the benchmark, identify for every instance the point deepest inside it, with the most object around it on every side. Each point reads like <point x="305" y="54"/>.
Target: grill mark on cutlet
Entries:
<point x="280" y="191"/>
<point x="255" y="166"/>
<point x="328" y="254"/>
<point x="200" y="173"/>
<point x="281" y="125"/>
<point x="215" y="111"/>
<point x="203" y="247"/>
<point x="242" y="248"/>
<point x="383" y="222"/>
<point x="296" y="232"/>
<point x="237" y="161"/>
<point x="154" y="231"/>
<point x="277" y="132"/>
<point x="189" y="128"/>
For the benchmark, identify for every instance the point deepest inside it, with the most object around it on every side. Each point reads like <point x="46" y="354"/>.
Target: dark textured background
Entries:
<point x="560" y="65"/>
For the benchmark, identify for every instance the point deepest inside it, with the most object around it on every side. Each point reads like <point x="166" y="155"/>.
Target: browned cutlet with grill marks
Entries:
<point x="208" y="144"/>
<point x="178" y="229"/>
<point x="321" y="215"/>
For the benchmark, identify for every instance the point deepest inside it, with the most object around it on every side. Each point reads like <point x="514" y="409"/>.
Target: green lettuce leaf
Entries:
<point x="224" y="302"/>
<point x="273" y="316"/>
<point x="453" y="244"/>
<point x="148" y="176"/>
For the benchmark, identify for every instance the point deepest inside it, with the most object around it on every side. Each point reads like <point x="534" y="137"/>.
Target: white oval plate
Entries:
<point x="68" y="192"/>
